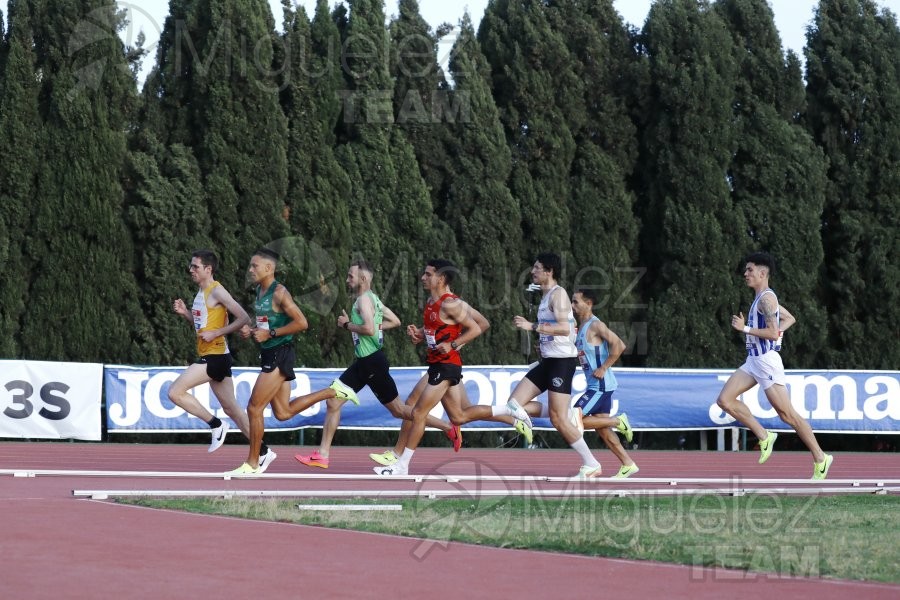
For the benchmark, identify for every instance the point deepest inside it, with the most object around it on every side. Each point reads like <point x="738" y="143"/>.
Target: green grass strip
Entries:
<point x="847" y="537"/>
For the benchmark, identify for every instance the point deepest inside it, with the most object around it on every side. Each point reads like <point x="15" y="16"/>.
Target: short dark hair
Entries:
<point x="267" y="253"/>
<point x="762" y="259"/>
<point x="587" y="294"/>
<point x="208" y="258"/>
<point x="552" y="262"/>
<point x="444" y="268"/>
<point x="363" y="265"/>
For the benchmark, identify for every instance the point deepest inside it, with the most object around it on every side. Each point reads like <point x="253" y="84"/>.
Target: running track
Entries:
<point x="53" y="545"/>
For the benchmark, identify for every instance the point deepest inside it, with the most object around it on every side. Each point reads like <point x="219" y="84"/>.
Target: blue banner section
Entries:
<point x="655" y="399"/>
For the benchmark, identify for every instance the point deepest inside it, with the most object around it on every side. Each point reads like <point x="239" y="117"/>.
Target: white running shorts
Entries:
<point x="766" y="369"/>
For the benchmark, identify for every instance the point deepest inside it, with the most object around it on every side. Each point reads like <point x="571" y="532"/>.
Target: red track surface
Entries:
<point x="55" y="546"/>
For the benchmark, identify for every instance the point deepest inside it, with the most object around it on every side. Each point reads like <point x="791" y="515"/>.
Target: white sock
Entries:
<point x="581" y="447"/>
<point x="406" y="457"/>
<point x="499" y="411"/>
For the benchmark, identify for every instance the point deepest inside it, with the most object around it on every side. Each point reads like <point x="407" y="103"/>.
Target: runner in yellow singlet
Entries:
<point x="208" y="316"/>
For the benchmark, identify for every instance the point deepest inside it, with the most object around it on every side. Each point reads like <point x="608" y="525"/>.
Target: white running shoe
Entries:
<point x="519" y="412"/>
<point x="391" y="470"/>
<point x="218" y="437"/>
<point x="588" y="472"/>
<point x="265" y="460"/>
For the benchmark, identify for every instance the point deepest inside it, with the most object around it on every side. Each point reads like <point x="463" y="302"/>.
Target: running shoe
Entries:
<point x="455" y="436"/>
<point x="524" y="430"/>
<point x="218" y="437"/>
<point x="624" y="427"/>
<point x="313" y="460"/>
<point x="386" y="458"/>
<point x="589" y="472"/>
<point x="626" y="471"/>
<point x="266" y="459"/>
<point x="391" y="470"/>
<point x="766" y="446"/>
<point x="343" y="392"/>
<point x="820" y="470"/>
<point x="518" y="412"/>
<point x="244" y="469"/>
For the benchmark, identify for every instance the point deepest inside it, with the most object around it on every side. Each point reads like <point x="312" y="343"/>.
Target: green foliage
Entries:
<point x="421" y="105"/>
<point x="317" y="186"/>
<point x="691" y="234"/>
<point x="853" y="94"/>
<point x="20" y="147"/>
<point x="651" y="160"/>
<point x="220" y="102"/>
<point x="604" y="230"/>
<point x="535" y="87"/>
<point x="169" y="222"/>
<point x="777" y="174"/>
<point x="480" y="209"/>
<point x="81" y="273"/>
<point x="390" y="208"/>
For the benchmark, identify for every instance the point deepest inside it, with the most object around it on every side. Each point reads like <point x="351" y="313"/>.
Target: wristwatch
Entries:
<point x="453" y="344"/>
<point x="272" y="333"/>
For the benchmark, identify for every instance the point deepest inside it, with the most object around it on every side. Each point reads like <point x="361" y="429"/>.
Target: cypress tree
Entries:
<point x="482" y="212"/>
<point x="792" y="99"/>
<point x="215" y="92"/>
<point x="168" y="111"/>
<point x="534" y="86"/>
<point x="7" y="347"/>
<point x="82" y="278"/>
<point x="166" y="207"/>
<point x="242" y="150"/>
<point x="390" y="209"/>
<point x="326" y="70"/>
<point x="604" y="229"/>
<point x="853" y="94"/>
<point x="20" y="147"/>
<point x="218" y="96"/>
<point x="3" y="49"/>
<point x="167" y="223"/>
<point x="691" y="235"/>
<point x="777" y="174"/>
<point x="421" y="96"/>
<point x="317" y="189"/>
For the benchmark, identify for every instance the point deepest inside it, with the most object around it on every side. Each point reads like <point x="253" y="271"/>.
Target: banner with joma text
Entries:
<point x="50" y="400"/>
<point x="655" y="399"/>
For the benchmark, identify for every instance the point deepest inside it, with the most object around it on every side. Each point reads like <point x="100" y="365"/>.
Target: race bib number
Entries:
<point x="582" y="360"/>
<point x="262" y="322"/>
<point x="429" y="339"/>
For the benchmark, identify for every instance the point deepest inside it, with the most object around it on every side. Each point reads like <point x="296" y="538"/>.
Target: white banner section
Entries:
<point x="50" y="400"/>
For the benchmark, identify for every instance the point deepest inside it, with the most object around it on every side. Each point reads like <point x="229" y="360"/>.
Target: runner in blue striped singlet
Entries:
<point x="766" y="322"/>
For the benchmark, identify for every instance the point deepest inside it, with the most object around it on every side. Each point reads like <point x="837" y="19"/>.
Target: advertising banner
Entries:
<point x="655" y="399"/>
<point x="50" y="400"/>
